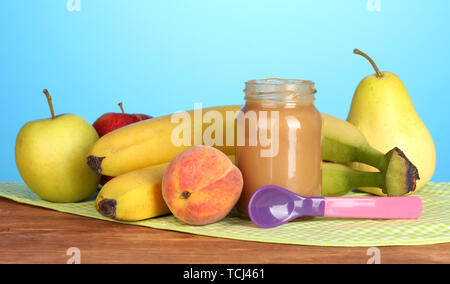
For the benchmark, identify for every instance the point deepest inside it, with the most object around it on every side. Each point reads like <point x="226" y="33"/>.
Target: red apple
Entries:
<point x="112" y="120"/>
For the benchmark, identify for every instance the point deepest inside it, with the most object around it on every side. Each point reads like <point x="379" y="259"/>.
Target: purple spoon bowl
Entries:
<point x="271" y="206"/>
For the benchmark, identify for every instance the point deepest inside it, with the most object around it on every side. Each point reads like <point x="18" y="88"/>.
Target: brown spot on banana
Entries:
<point x="107" y="207"/>
<point x="95" y="163"/>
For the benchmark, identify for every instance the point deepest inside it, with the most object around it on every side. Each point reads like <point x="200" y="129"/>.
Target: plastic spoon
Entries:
<point x="272" y="206"/>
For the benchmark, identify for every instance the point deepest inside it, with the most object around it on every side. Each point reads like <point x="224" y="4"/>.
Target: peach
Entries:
<point x="201" y="185"/>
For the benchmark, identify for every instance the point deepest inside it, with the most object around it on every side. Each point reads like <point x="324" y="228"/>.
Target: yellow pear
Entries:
<point x="382" y="110"/>
<point x="51" y="157"/>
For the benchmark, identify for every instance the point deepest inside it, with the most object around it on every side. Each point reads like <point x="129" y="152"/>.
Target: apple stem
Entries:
<point x="121" y="107"/>
<point x="49" y="99"/>
<point x="359" y="52"/>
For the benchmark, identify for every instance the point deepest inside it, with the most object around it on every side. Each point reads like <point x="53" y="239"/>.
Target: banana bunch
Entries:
<point x="137" y="155"/>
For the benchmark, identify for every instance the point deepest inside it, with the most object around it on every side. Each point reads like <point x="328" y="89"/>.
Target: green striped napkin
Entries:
<point x="433" y="227"/>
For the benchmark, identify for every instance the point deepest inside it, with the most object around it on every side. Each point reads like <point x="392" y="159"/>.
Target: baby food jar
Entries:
<point x="279" y="138"/>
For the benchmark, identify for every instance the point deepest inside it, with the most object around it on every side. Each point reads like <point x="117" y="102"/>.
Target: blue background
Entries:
<point x="161" y="56"/>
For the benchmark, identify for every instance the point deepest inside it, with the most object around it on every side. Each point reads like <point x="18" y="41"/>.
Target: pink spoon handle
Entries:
<point x="409" y="207"/>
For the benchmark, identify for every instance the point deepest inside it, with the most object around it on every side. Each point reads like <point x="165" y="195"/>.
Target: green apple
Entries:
<point x="51" y="157"/>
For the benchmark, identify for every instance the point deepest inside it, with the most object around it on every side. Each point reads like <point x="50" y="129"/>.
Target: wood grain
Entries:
<point x="36" y="235"/>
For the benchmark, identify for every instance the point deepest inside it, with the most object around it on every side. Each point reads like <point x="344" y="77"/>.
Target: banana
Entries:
<point x="137" y="196"/>
<point x="150" y="142"/>
<point x="343" y="143"/>
<point x="133" y="196"/>
<point x="339" y="179"/>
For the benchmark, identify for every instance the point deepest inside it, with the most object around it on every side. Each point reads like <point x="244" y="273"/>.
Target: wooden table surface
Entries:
<point x="37" y="235"/>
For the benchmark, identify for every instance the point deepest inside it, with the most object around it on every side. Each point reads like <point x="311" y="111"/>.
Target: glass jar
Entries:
<point x="279" y="138"/>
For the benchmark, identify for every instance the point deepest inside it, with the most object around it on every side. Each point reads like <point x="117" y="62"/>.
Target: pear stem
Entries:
<point x="359" y="52"/>
<point x="121" y="107"/>
<point x="49" y="100"/>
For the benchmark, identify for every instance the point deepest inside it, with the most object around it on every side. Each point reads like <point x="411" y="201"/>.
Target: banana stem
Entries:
<point x="338" y="180"/>
<point x="336" y="151"/>
<point x="372" y="157"/>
